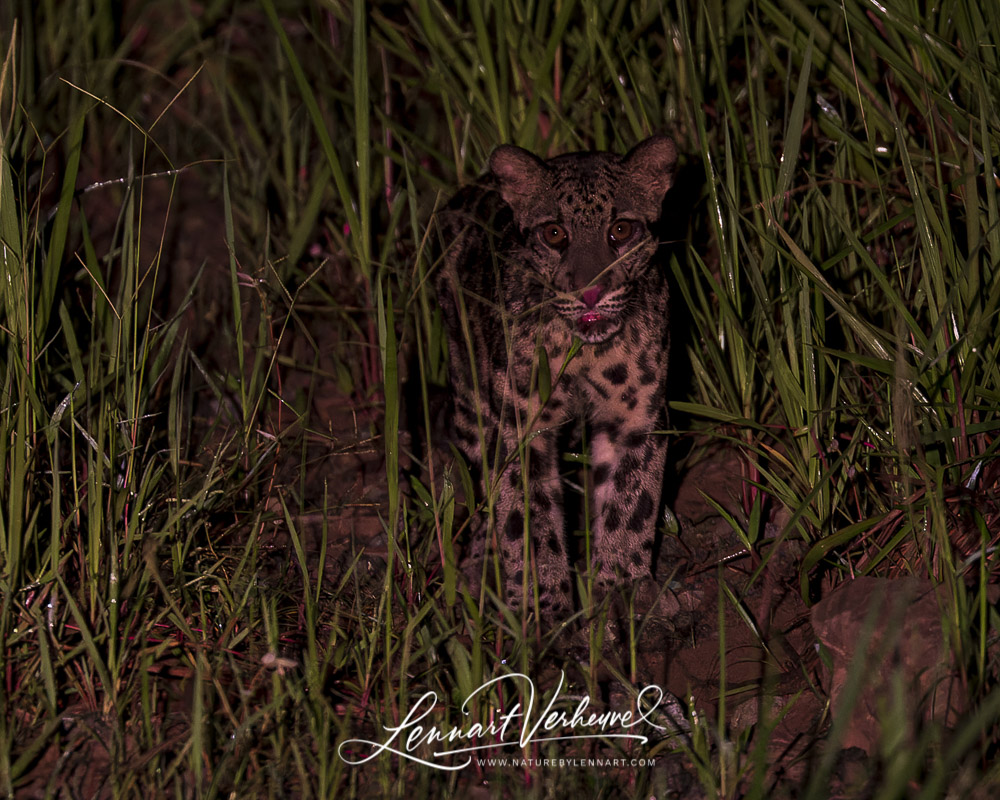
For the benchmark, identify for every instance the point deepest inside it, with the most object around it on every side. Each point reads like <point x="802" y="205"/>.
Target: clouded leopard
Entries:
<point x="556" y="310"/>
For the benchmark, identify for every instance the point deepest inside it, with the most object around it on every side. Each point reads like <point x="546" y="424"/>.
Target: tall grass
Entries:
<point x="178" y="615"/>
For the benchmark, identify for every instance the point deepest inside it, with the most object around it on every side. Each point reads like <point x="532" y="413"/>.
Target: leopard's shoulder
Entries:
<point x="477" y="232"/>
<point x="474" y="212"/>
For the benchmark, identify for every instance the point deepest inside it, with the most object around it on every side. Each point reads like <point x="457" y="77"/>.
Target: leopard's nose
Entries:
<point x="592" y="296"/>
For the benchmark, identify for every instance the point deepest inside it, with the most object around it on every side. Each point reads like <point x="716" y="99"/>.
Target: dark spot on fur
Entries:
<point x="635" y="439"/>
<point x="637" y="559"/>
<point x="647" y="455"/>
<point x="537" y="465"/>
<point x="599" y="389"/>
<point x="515" y="525"/>
<point x="643" y="511"/>
<point x="600" y="474"/>
<point x="612" y="516"/>
<point x="540" y="501"/>
<point x="554" y="544"/>
<point x="642" y="361"/>
<point x="656" y="401"/>
<point x="521" y="384"/>
<point x="647" y="374"/>
<point x="625" y="474"/>
<point x="616" y="374"/>
<point x="499" y="359"/>
<point x="603" y="347"/>
<point x="564" y="587"/>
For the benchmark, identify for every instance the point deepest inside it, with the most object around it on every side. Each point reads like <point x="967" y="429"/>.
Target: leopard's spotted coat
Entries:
<point x="540" y="253"/>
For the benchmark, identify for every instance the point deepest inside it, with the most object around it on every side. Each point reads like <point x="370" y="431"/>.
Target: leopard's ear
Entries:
<point x="521" y="175"/>
<point x="651" y="164"/>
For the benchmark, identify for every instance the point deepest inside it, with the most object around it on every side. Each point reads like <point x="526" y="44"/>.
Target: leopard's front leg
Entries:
<point x="528" y="510"/>
<point x="628" y="453"/>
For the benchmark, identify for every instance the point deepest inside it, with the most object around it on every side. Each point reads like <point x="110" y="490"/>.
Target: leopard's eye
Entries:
<point x="554" y="235"/>
<point x="621" y="231"/>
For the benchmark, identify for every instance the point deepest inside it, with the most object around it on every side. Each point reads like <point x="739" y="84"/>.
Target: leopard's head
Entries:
<point x="585" y="222"/>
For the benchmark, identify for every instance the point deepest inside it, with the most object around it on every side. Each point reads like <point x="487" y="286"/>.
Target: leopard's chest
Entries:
<point x="609" y="379"/>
